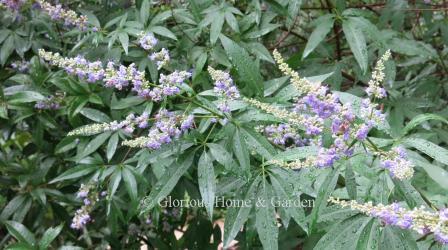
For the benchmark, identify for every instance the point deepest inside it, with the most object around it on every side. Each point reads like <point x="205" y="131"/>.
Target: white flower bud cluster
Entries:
<point x="374" y="90"/>
<point x="418" y="219"/>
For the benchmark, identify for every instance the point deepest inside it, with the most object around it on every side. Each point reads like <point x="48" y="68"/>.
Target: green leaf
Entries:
<point x="266" y="222"/>
<point x="237" y="215"/>
<point x="215" y="28"/>
<point x="248" y="71"/>
<point x="20" y="232"/>
<point x="114" y="182"/>
<point x="240" y="151"/>
<point x="200" y="62"/>
<point x="325" y="23"/>
<point x="220" y="154"/>
<point x="232" y="22"/>
<point x="369" y="236"/>
<point x="130" y="182"/>
<point x="350" y="179"/>
<point x="344" y="235"/>
<point x="284" y="193"/>
<point x="124" y="40"/>
<point x="434" y="151"/>
<point x="145" y="11"/>
<point x="420" y="119"/>
<point x="75" y="172"/>
<point x="297" y="153"/>
<point x="396" y="238"/>
<point x="77" y="104"/>
<point x="160" y="30"/>
<point x="258" y="143"/>
<point x="12" y="206"/>
<point x="324" y="192"/>
<point x="94" y="145"/>
<point x="7" y="49"/>
<point x="436" y="173"/>
<point x="126" y="102"/>
<point x="412" y="48"/>
<point x="409" y="193"/>
<point x="207" y="184"/>
<point x="66" y="144"/>
<point x="167" y="182"/>
<point x="95" y="115"/>
<point x="49" y="236"/>
<point x="3" y="110"/>
<point x="25" y="97"/>
<point x="356" y="41"/>
<point x="112" y="146"/>
<point x="293" y="11"/>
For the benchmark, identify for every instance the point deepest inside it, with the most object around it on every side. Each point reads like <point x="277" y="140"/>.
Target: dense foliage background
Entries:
<point x="335" y="42"/>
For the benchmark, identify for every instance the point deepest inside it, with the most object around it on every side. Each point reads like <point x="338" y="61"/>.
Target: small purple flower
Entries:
<point x="443" y="214"/>
<point x="362" y="132"/>
<point x="148" y="41"/>
<point x="82" y="194"/>
<point x="187" y="123"/>
<point x="326" y="157"/>
<point x="441" y="237"/>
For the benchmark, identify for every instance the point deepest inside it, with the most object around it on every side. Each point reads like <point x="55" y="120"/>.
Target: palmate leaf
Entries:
<point x="361" y="232"/>
<point x="167" y="182"/>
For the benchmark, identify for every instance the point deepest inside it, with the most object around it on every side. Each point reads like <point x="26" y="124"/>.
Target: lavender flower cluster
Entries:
<point x="224" y="88"/>
<point x="397" y="163"/>
<point x="69" y="17"/>
<point x="128" y="125"/>
<point x="89" y="197"/>
<point x="167" y="127"/>
<point x="148" y="42"/>
<point x="118" y="76"/>
<point x="418" y="219"/>
<point x="317" y="105"/>
<point x="284" y="134"/>
<point x="21" y="66"/>
<point x="13" y="5"/>
<point x="51" y="103"/>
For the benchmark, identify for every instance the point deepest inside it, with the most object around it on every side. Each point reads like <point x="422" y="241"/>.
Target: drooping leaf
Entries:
<point x="433" y="150"/>
<point x="324" y="192"/>
<point x="237" y="215"/>
<point x="247" y="70"/>
<point x="20" y="232"/>
<point x="207" y="184"/>
<point x="266" y="222"/>
<point x="167" y="182"/>
<point x="49" y="235"/>
<point x="324" y="25"/>
<point x="356" y="41"/>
